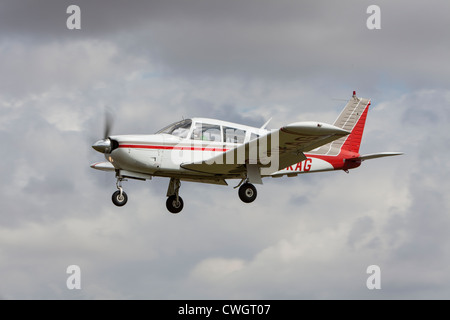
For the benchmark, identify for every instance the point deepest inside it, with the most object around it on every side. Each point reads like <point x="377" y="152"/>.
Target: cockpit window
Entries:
<point x="233" y="135"/>
<point x="206" y="132"/>
<point x="178" y="129"/>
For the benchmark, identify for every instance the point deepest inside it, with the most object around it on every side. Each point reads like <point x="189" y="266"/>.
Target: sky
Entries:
<point x="151" y="63"/>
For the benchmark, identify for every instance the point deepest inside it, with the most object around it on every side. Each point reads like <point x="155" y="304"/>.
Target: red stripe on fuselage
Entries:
<point x="142" y="146"/>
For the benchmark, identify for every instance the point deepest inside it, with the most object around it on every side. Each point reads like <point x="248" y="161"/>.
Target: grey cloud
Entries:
<point x="361" y="228"/>
<point x="254" y="39"/>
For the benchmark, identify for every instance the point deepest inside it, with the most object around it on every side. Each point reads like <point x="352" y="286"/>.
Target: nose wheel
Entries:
<point x="119" y="198"/>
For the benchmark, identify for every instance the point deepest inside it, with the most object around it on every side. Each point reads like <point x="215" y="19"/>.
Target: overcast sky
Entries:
<point x="152" y="63"/>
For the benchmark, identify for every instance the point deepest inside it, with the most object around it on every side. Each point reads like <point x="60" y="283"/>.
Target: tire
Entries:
<point x="247" y="192"/>
<point x="118" y="200"/>
<point x="172" y="204"/>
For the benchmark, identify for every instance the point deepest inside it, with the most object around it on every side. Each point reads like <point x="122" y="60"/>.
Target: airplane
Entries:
<point x="213" y="151"/>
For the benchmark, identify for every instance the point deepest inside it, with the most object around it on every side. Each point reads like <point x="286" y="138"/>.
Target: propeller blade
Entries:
<point x="108" y="124"/>
<point x="105" y="145"/>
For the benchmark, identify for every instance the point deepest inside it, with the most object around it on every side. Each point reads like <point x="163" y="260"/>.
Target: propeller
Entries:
<point x="108" y="124"/>
<point x="104" y="145"/>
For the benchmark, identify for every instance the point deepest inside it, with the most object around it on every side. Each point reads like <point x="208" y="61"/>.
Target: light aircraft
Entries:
<point x="213" y="151"/>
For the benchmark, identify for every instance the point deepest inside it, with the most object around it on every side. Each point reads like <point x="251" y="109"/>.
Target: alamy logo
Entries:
<point x="374" y="21"/>
<point x="74" y="20"/>
<point x="374" y="280"/>
<point x="74" y="280"/>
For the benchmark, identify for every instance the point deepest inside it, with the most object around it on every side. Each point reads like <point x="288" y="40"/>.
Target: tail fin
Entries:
<point x="353" y="119"/>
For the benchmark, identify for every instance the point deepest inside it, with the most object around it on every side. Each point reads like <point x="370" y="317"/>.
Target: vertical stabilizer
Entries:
<point x="353" y="119"/>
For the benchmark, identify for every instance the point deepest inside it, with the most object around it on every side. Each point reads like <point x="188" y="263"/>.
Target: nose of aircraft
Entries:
<point x="102" y="145"/>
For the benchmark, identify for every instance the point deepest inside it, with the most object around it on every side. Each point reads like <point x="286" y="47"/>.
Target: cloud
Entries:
<point x="255" y="39"/>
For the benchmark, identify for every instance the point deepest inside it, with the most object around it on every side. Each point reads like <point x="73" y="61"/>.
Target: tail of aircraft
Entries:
<point x="353" y="119"/>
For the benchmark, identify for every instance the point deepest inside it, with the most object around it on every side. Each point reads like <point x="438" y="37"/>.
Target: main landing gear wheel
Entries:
<point x="119" y="199"/>
<point x="247" y="192"/>
<point x="173" y="205"/>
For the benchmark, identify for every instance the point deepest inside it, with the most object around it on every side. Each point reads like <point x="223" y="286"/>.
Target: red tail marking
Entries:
<point x="353" y="141"/>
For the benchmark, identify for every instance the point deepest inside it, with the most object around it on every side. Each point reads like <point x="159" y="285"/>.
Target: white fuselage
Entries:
<point x="193" y="141"/>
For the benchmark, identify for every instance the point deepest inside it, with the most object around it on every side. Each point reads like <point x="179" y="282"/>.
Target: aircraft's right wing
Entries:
<point x="274" y="151"/>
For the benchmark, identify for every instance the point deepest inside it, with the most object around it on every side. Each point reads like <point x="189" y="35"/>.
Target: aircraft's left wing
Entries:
<point x="274" y="151"/>
<point x="104" y="166"/>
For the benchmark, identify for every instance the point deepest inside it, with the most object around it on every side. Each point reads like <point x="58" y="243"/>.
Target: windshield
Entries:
<point x="178" y="129"/>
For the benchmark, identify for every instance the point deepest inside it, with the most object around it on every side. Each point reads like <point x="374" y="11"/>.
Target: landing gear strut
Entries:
<point x="174" y="202"/>
<point x="247" y="192"/>
<point x="119" y="198"/>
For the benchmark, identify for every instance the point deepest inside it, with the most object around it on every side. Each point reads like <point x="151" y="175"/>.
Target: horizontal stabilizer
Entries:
<point x="379" y="155"/>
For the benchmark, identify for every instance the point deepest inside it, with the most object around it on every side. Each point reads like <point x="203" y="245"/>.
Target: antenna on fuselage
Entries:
<point x="265" y="124"/>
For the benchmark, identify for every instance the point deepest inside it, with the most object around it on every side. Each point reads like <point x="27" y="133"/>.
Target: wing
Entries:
<point x="274" y="151"/>
<point x="104" y="166"/>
